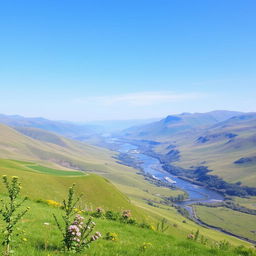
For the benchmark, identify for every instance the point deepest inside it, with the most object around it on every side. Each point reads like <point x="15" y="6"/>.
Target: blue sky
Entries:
<point x="91" y="60"/>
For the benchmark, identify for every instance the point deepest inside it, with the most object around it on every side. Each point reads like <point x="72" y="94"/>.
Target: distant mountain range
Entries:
<point x="223" y="141"/>
<point x="69" y="129"/>
<point x="174" y="124"/>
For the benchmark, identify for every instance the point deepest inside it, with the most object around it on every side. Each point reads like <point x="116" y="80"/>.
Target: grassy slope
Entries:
<point x="73" y="154"/>
<point x="130" y="239"/>
<point x="219" y="153"/>
<point x="91" y="158"/>
<point x="233" y="221"/>
<point x="38" y="185"/>
<point x="99" y="193"/>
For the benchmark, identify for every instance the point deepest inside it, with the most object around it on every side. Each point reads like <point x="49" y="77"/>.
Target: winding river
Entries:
<point x="153" y="167"/>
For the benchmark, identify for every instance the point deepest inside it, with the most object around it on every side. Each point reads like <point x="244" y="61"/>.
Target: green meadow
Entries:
<point x="238" y="223"/>
<point x="41" y="239"/>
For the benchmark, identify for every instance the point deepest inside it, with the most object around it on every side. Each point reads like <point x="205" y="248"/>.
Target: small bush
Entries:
<point x="145" y="246"/>
<point x="99" y="213"/>
<point x="9" y="212"/>
<point x="110" y="215"/>
<point x="76" y="233"/>
<point x="111" y="236"/>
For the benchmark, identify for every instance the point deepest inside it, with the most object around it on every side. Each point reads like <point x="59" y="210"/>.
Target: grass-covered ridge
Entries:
<point x="48" y="185"/>
<point x="40" y="236"/>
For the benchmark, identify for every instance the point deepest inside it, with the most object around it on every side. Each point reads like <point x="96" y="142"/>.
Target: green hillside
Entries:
<point x="46" y="179"/>
<point x="45" y="183"/>
<point x="74" y="155"/>
<point x="227" y="148"/>
<point x="39" y="239"/>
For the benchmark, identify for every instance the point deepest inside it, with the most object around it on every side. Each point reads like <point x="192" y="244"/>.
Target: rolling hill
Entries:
<point x="48" y="150"/>
<point x="228" y="148"/>
<point x="48" y="163"/>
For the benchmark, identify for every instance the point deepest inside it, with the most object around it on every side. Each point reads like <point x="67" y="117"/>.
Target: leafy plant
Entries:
<point x="145" y="246"/>
<point x="196" y="235"/>
<point x="162" y="225"/>
<point x="76" y="233"/>
<point x="224" y="245"/>
<point x="98" y="213"/>
<point x="111" y="215"/>
<point x="9" y="212"/>
<point x="111" y="236"/>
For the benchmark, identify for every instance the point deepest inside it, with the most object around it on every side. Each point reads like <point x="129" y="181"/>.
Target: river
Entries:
<point x="196" y="194"/>
<point x="152" y="166"/>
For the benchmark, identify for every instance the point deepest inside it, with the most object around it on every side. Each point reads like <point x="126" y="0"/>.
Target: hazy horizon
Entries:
<point x="121" y="120"/>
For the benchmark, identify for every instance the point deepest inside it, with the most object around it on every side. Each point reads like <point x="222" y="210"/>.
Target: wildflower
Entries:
<point x="191" y="236"/>
<point x="24" y="239"/>
<point x="96" y="236"/>
<point x="145" y="246"/>
<point x="53" y="203"/>
<point x="111" y="236"/>
<point x="46" y="223"/>
<point x="126" y="214"/>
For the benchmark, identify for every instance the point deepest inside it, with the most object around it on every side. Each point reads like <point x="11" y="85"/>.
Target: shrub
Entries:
<point x="223" y="245"/>
<point x="111" y="236"/>
<point x="242" y="250"/>
<point x="162" y="225"/>
<point x="145" y="225"/>
<point x="110" y="215"/>
<point x="145" y="246"/>
<point x="76" y="233"/>
<point x="99" y="213"/>
<point x="9" y="212"/>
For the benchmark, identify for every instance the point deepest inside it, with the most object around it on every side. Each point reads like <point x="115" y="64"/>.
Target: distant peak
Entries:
<point x="170" y="119"/>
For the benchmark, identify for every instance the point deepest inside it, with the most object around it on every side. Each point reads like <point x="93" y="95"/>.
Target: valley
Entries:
<point x="144" y="175"/>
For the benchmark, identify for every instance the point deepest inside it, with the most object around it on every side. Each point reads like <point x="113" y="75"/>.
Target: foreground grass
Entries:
<point x="98" y="192"/>
<point x="238" y="223"/>
<point x="41" y="239"/>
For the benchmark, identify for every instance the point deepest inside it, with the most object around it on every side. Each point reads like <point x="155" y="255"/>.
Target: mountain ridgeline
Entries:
<point x="223" y="142"/>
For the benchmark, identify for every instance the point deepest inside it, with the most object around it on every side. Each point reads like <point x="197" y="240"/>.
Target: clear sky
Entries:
<point x="125" y="59"/>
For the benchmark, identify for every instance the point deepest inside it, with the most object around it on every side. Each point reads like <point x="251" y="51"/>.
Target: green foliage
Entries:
<point x="243" y="251"/>
<point x="111" y="215"/>
<point x="75" y="232"/>
<point x="223" y="245"/>
<point x="9" y="212"/>
<point x="99" y="213"/>
<point x="162" y="226"/>
<point x="197" y="235"/>
<point x="111" y="236"/>
<point x="145" y="246"/>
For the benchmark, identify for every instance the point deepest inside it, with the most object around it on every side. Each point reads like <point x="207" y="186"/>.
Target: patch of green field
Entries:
<point x="238" y="223"/>
<point x="52" y="171"/>
<point x="37" y="185"/>
<point x="249" y="202"/>
<point x="45" y="240"/>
